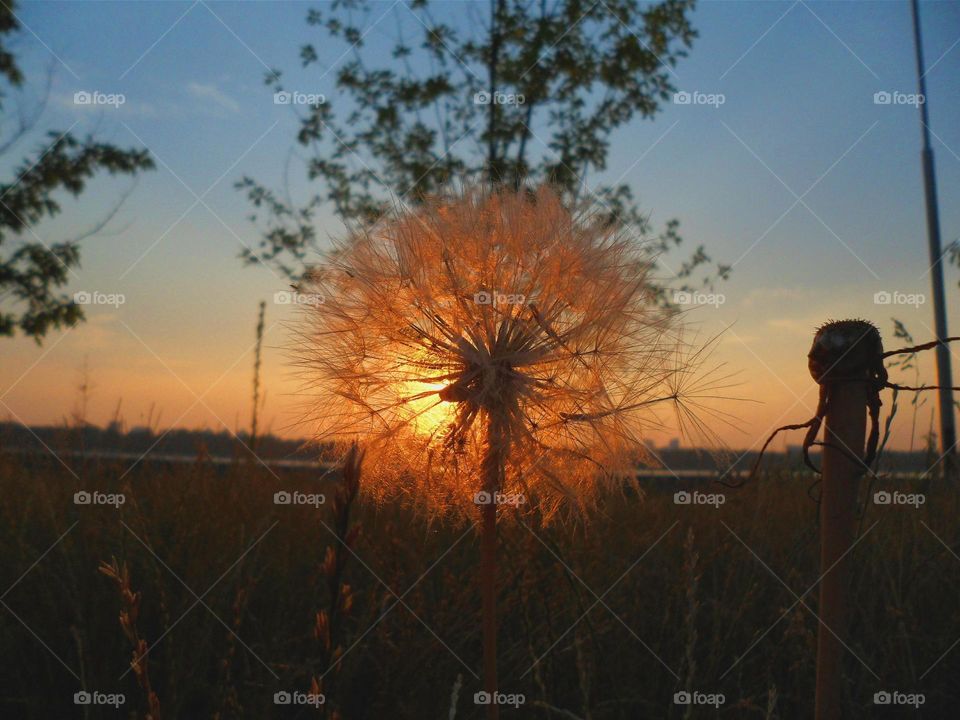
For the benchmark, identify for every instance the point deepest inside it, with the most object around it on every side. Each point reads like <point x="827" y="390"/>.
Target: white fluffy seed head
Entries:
<point x="491" y="310"/>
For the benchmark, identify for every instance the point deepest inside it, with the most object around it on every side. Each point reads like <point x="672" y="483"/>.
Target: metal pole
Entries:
<point x="948" y="433"/>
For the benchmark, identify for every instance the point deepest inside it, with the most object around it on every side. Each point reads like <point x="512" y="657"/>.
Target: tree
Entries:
<point x="31" y="270"/>
<point x="531" y="93"/>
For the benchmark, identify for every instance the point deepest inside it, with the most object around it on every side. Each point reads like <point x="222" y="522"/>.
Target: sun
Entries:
<point x="428" y="413"/>
<point x="417" y="392"/>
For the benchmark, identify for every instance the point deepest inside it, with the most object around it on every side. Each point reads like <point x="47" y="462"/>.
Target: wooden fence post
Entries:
<point x="843" y="356"/>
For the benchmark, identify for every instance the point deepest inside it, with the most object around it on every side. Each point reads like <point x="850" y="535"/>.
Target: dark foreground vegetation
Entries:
<point x="238" y="598"/>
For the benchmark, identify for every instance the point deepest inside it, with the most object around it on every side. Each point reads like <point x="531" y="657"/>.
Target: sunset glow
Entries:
<point x="429" y="414"/>
<point x="496" y="325"/>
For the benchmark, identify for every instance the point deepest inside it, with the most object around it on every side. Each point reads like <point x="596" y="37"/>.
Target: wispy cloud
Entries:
<point x="213" y="94"/>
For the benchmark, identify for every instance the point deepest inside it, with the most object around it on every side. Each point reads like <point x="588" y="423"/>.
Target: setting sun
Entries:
<point x="429" y="413"/>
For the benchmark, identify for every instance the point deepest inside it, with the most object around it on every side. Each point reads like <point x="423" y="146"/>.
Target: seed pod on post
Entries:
<point x="844" y="361"/>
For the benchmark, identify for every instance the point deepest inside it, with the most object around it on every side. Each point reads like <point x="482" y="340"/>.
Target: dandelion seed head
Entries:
<point x="491" y="322"/>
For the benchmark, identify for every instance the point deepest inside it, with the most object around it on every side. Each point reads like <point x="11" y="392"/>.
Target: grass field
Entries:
<point x="607" y="618"/>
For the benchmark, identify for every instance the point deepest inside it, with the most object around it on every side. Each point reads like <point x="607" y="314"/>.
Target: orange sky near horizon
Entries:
<point x="203" y="380"/>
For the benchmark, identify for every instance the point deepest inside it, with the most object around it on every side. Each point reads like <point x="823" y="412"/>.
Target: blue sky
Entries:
<point x="798" y="119"/>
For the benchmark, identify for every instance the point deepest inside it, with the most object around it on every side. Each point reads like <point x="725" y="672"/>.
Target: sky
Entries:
<point x="783" y="165"/>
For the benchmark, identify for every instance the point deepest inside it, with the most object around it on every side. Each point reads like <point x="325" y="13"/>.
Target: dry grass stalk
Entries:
<point x="327" y="621"/>
<point x="691" y="577"/>
<point x="129" y="613"/>
<point x="257" y="363"/>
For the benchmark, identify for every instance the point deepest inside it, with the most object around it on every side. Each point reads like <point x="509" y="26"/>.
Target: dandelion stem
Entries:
<point x="492" y="470"/>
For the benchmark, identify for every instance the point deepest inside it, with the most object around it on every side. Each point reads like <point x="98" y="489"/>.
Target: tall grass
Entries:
<point x="703" y="595"/>
<point x="257" y="364"/>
